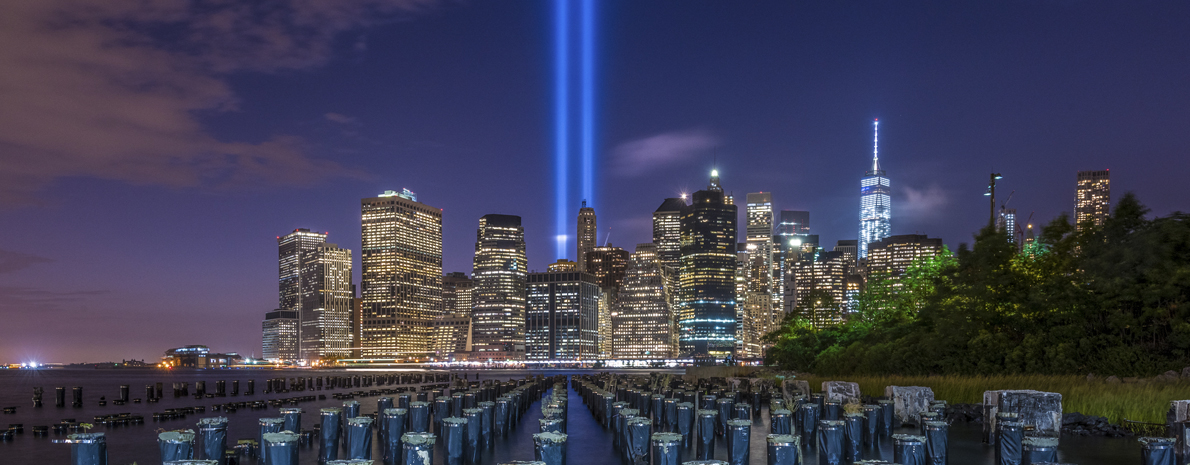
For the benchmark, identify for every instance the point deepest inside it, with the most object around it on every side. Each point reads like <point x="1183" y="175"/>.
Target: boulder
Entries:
<point x="1186" y="373"/>
<point x="1040" y="410"/>
<point x="844" y="392"/>
<point x="795" y="387"/>
<point x="1113" y="380"/>
<point x="909" y="401"/>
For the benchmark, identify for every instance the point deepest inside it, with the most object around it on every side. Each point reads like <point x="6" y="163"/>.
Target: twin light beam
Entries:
<point x="564" y="125"/>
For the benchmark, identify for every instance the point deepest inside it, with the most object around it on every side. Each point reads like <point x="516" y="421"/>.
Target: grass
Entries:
<point x="1144" y="402"/>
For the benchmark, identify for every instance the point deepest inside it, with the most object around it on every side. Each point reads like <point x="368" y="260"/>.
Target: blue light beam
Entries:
<point x="561" y="122"/>
<point x="588" y="102"/>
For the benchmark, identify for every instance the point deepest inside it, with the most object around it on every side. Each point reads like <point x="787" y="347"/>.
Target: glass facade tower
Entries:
<point x="875" y="197"/>
<point x="500" y="268"/>
<point x="707" y="307"/>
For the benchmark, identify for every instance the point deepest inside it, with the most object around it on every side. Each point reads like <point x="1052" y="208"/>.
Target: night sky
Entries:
<point x="151" y="151"/>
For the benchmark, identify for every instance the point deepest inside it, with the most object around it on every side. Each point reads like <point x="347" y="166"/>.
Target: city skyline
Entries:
<point x="779" y="99"/>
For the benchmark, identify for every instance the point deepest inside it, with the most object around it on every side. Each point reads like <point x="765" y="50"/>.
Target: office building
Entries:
<point x="1092" y="198"/>
<point x="760" y="302"/>
<point x="326" y="303"/>
<point x="667" y="231"/>
<point x="280" y="336"/>
<point x="587" y="234"/>
<point x="608" y="264"/>
<point x="500" y="269"/>
<point x="707" y="305"/>
<point x="643" y="323"/>
<point x="401" y="260"/>
<point x="289" y="264"/>
<point x="820" y="288"/>
<point x="875" y="198"/>
<point x="1006" y="223"/>
<point x="450" y="335"/>
<point x="893" y="255"/>
<point x="563" y="316"/>
<point x="458" y="294"/>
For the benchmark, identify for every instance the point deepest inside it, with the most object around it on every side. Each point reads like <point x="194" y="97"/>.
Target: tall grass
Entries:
<point x="1145" y="401"/>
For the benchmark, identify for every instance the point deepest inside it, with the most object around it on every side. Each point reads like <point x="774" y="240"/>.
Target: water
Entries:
<point x="589" y="443"/>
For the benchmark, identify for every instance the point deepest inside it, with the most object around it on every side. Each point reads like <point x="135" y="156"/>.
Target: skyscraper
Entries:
<point x="893" y="255"/>
<point x="458" y="294"/>
<point x="1092" y="197"/>
<point x="498" y="315"/>
<point x="875" y="198"/>
<point x="289" y="264"/>
<point x="587" y="234"/>
<point x="279" y="341"/>
<point x="643" y="324"/>
<point x="401" y="287"/>
<point x="1006" y="222"/>
<point x="707" y="309"/>
<point x="667" y="231"/>
<point x="821" y="291"/>
<point x="608" y="264"/>
<point x="326" y="303"/>
<point x="562" y="322"/>
<point x="759" y="305"/>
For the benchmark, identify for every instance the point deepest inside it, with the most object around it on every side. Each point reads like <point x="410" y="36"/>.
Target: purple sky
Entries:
<point x="150" y="152"/>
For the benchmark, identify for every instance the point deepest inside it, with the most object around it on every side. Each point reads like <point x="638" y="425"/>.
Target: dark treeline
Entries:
<point x="1111" y="300"/>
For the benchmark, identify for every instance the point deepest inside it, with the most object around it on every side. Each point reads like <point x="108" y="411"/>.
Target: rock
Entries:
<point x="1131" y="380"/>
<point x="1169" y="376"/>
<point x="795" y="387"/>
<point x="1112" y="380"/>
<point x="1073" y="418"/>
<point x="842" y="391"/>
<point x="1186" y="373"/>
<point x="1090" y="377"/>
<point x="909" y="401"/>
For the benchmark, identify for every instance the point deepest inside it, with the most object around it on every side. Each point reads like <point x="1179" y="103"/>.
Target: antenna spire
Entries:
<point x="876" y="145"/>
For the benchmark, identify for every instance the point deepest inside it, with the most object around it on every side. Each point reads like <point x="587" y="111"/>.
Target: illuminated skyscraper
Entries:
<point x="401" y="287"/>
<point x="1006" y="222"/>
<point x="608" y="264"/>
<point x="759" y="305"/>
<point x="893" y="255"/>
<point x="458" y="294"/>
<point x="289" y="264"/>
<point x="793" y="226"/>
<point x="562" y="322"/>
<point x="707" y="307"/>
<point x="821" y="291"/>
<point x="875" y="197"/>
<point x="498" y="315"/>
<point x="587" y="234"/>
<point x="1092" y="197"/>
<point x="643" y="324"/>
<point x="667" y="231"/>
<point x="279" y="340"/>
<point x="326" y="303"/>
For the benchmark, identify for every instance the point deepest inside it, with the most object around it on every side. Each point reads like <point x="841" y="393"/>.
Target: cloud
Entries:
<point x="15" y="261"/>
<point x="921" y="203"/>
<point x="338" y="118"/>
<point x="14" y="299"/>
<point x="641" y="156"/>
<point x="114" y="89"/>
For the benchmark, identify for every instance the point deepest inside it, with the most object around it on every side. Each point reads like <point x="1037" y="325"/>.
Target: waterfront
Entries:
<point x="590" y="443"/>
